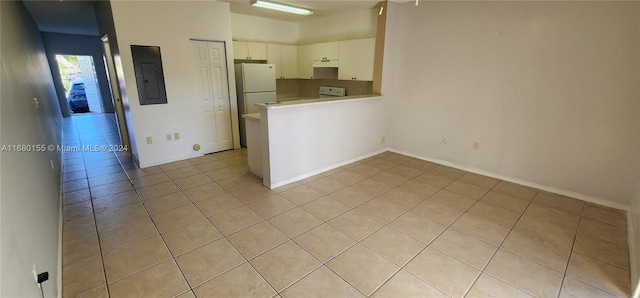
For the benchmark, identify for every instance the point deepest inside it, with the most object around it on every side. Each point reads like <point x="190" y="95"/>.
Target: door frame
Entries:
<point x="116" y="98"/>
<point x="233" y="104"/>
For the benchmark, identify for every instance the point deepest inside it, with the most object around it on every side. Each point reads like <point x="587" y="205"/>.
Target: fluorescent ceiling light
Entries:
<point x="281" y="7"/>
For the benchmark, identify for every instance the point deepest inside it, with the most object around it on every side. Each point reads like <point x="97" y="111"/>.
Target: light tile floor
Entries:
<point x="386" y="226"/>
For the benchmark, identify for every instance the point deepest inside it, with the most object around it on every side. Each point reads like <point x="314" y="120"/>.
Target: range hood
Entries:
<point x="325" y="73"/>
<point x="325" y="63"/>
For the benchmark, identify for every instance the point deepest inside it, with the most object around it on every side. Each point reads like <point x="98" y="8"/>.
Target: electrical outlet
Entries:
<point x="169" y="137"/>
<point x="149" y="140"/>
<point x="444" y="139"/>
<point x="382" y="140"/>
<point x="176" y="135"/>
<point x="476" y="145"/>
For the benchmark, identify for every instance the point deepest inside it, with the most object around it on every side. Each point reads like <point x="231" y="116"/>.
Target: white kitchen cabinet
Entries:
<point x="274" y="56"/>
<point x="326" y="51"/>
<point x="289" y="61"/>
<point x="356" y="59"/>
<point x="305" y="59"/>
<point x="247" y="50"/>
<point x="285" y="57"/>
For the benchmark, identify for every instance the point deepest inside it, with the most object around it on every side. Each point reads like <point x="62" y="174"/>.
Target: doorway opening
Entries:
<point x="78" y="74"/>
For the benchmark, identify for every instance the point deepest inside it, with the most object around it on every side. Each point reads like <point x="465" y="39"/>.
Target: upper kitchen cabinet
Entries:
<point x="326" y="54"/>
<point x="244" y="50"/>
<point x="285" y="57"/>
<point x="356" y="59"/>
<point x="305" y="60"/>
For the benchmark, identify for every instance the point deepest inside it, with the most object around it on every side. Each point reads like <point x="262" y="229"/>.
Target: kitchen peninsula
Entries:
<point x="293" y="140"/>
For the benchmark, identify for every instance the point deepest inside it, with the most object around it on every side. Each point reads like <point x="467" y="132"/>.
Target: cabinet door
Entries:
<point x="333" y="50"/>
<point x="326" y="50"/>
<point x="305" y="59"/>
<point x="348" y="60"/>
<point x="240" y="50"/>
<point x="289" y="62"/>
<point x="274" y="56"/>
<point x="257" y="50"/>
<point x="365" y="56"/>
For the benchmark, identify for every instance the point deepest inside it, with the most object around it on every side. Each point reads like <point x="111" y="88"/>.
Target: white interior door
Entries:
<point x="90" y="83"/>
<point x="213" y="102"/>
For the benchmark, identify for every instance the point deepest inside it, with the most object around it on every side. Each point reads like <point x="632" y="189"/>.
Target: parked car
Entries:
<point x="77" y="97"/>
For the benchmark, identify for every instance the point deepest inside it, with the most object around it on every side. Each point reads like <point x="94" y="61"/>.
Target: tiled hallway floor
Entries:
<point x="387" y="226"/>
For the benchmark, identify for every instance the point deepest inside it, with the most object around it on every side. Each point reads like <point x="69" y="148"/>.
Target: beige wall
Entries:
<point x="250" y="28"/>
<point x="29" y="186"/>
<point x="634" y="241"/>
<point x="634" y="224"/>
<point x="170" y="25"/>
<point x="549" y="89"/>
<point x="355" y="25"/>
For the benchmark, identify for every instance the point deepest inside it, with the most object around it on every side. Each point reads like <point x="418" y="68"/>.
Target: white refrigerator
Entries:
<point x="255" y="83"/>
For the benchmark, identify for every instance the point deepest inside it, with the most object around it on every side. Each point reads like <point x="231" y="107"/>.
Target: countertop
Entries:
<point x="313" y="100"/>
<point x="252" y="116"/>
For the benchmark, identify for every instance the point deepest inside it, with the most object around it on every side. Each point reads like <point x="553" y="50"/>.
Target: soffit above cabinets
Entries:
<point x="321" y="9"/>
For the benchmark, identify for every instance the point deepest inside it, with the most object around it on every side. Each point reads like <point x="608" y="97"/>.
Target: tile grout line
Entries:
<point x="322" y="264"/>
<point x="164" y="242"/>
<point x="192" y="288"/>
<point x="500" y="246"/>
<point x="93" y="213"/>
<point x="447" y="228"/>
<point x="354" y="208"/>
<point x="400" y="267"/>
<point x="573" y="244"/>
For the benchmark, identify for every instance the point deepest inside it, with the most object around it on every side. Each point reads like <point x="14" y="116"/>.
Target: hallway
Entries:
<point x="107" y="207"/>
<point x="385" y="226"/>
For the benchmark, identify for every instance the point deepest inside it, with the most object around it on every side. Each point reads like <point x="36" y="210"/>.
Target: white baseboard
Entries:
<point x="634" y="260"/>
<point x="548" y="188"/>
<point x="60" y="223"/>
<point x="157" y="163"/>
<point x="635" y="266"/>
<point x="307" y="175"/>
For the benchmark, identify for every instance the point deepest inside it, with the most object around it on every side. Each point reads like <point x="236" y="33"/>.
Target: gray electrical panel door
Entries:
<point x="147" y="64"/>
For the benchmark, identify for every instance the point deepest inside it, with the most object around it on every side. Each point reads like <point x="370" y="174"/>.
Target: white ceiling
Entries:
<point x="70" y="17"/>
<point x="321" y="9"/>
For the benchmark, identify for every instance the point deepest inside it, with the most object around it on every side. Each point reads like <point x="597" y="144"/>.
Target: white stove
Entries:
<point x="326" y="92"/>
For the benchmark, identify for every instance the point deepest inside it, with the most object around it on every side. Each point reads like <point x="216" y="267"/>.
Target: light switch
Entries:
<point x="176" y="135"/>
<point x="149" y="140"/>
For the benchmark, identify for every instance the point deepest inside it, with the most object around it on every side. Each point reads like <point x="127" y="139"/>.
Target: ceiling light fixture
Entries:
<point x="417" y="2"/>
<point x="281" y="7"/>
